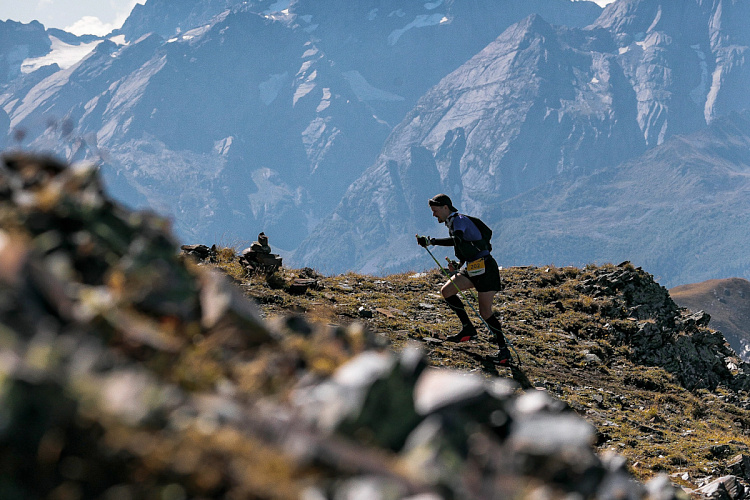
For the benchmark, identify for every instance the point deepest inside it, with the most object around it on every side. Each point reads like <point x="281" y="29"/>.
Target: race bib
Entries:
<point x="475" y="268"/>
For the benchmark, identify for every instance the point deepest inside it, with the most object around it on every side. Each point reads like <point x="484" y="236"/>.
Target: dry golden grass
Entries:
<point x="641" y="412"/>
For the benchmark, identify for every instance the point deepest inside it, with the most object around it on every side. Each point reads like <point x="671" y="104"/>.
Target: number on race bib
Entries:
<point x="475" y="268"/>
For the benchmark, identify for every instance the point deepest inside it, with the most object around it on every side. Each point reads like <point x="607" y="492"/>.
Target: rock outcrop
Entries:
<point x="666" y="335"/>
<point x="19" y="42"/>
<point x="201" y="253"/>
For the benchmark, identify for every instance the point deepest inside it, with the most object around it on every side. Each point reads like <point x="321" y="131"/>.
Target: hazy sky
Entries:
<point x="97" y="17"/>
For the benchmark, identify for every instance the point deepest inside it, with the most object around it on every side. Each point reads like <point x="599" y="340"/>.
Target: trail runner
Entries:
<point x="481" y="272"/>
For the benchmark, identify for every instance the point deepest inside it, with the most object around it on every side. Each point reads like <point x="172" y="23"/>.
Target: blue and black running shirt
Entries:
<point x="467" y="238"/>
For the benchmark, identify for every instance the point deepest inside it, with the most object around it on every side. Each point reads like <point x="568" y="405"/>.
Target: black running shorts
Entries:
<point x="489" y="281"/>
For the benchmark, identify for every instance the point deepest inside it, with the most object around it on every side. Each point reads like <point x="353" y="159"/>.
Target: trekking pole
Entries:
<point x="447" y="274"/>
<point x="461" y="292"/>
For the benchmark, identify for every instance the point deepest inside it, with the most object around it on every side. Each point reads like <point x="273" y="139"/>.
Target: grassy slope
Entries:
<point x="640" y="412"/>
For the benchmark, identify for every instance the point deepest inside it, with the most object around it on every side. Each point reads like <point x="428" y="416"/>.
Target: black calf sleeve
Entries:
<point x="458" y="307"/>
<point x="495" y="328"/>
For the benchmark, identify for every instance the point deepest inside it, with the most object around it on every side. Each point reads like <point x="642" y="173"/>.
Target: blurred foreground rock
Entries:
<point x="127" y="373"/>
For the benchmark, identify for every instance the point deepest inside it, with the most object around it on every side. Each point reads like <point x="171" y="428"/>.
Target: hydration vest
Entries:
<point x="468" y="250"/>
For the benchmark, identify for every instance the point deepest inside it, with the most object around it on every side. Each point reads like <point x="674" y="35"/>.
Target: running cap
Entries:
<point x="442" y="200"/>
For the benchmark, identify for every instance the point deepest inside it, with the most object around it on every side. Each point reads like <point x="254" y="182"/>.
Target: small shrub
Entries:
<point x="573" y="322"/>
<point x="225" y="255"/>
<point x="651" y="379"/>
<point x="549" y="276"/>
<point x="547" y="295"/>
<point x="603" y="349"/>
<point x="697" y="410"/>
<point x="276" y="281"/>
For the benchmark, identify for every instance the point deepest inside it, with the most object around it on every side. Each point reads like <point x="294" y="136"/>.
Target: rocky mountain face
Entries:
<point x="393" y="52"/>
<point x="710" y="37"/>
<point x="238" y="115"/>
<point x="19" y="42"/>
<point x="168" y="18"/>
<point x="726" y="301"/>
<point x="676" y="209"/>
<point x="390" y="52"/>
<point x="549" y="106"/>
<point x="28" y="54"/>
<point x="210" y="125"/>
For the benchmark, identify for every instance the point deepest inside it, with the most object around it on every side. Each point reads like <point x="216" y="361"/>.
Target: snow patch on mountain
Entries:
<point x="651" y="40"/>
<point x="421" y="21"/>
<point x="713" y="93"/>
<point x="222" y="147"/>
<point x="310" y="52"/>
<point x="279" y="6"/>
<point x="195" y="33"/>
<point x="118" y="40"/>
<point x="366" y="92"/>
<point x="63" y="54"/>
<point x="305" y="66"/>
<point x="698" y="93"/>
<point x="305" y="88"/>
<point x="325" y="101"/>
<point x="656" y="20"/>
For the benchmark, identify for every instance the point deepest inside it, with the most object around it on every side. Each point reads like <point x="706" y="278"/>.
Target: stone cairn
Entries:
<point x="127" y="372"/>
<point x="258" y="259"/>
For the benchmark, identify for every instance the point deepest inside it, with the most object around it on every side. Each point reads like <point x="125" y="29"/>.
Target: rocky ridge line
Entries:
<point x="128" y="373"/>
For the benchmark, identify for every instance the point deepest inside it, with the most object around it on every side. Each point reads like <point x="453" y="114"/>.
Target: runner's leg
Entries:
<point x="458" y="280"/>
<point x="450" y="294"/>
<point x="485" y="309"/>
